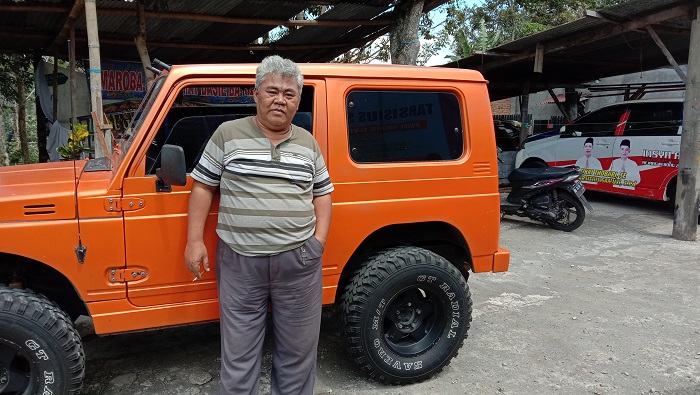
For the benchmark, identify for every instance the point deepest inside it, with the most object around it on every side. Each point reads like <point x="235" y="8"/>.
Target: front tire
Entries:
<point x="405" y="315"/>
<point x="570" y="213"/>
<point x="40" y="351"/>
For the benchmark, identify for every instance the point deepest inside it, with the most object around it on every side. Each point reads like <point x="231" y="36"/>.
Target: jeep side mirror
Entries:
<point x="173" y="170"/>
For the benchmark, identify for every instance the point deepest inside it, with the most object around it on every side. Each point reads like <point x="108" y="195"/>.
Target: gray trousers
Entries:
<point x="292" y="283"/>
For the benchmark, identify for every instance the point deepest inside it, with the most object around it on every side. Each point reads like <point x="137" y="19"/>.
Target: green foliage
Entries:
<point x="494" y="22"/>
<point x="486" y="39"/>
<point x="376" y="50"/>
<point x="464" y="48"/>
<point x="15" y="155"/>
<point x="13" y="67"/>
<point x="74" y="147"/>
<point x="532" y="28"/>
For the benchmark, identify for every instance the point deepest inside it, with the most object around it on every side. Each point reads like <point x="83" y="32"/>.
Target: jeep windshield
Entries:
<point x="127" y="138"/>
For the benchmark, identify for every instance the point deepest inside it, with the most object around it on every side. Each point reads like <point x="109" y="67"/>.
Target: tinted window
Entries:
<point x="392" y="126"/>
<point x="199" y="110"/>
<point x="655" y="119"/>
<point x="595" y="124"/>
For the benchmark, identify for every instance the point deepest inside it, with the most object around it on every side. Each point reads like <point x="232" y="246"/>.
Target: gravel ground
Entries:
<point x="611" y="308"/>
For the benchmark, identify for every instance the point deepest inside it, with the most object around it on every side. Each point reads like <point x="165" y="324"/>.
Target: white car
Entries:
<point x="631" y="147"/>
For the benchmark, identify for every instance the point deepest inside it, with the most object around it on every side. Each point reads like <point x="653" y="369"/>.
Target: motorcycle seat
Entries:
<point x="539" y="173"/>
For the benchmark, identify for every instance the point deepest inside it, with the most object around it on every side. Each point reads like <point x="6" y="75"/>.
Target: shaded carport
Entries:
<point x="212" y="31"/>
<point x="604" y="43"/>
<point x="634" y="36"/>
<point x="177" y="32"/>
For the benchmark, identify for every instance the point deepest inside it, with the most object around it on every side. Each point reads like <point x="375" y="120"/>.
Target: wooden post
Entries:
<point x="539" y="58"/>
<point x="571" y="103"/>
<point x="524" y="104"/>
<point x="666" y="53"/>
<point x="71" y="60"/>
<point x="95" y="74"/>
<point x="140" y="41"/>
<point x="685" y="222"/>
<point x="560" y="106"/>
<point x="54" y="89"/>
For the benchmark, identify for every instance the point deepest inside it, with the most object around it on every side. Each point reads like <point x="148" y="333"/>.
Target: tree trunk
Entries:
<point x="4" y="157"/>
<point x="41" y="131"/>
<point x="404" y="43"/>
<point x="22" y="116"/>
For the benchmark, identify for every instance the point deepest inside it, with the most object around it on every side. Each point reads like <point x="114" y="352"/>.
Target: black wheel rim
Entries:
<point x="413" y="321"/>
<point x="17" y="372"/>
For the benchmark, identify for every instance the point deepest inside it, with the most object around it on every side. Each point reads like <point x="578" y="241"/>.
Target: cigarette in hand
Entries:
<point x="200" y="275"/>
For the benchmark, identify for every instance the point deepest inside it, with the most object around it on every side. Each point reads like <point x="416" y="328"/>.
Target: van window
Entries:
<point x="404" y="126"/>
<point x="655" y="119"/>
<point x="599" y="123"/>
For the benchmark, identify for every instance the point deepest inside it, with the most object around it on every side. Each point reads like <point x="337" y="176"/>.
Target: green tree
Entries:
<point x="494" y="22"/>
<point x="15" y="82"/>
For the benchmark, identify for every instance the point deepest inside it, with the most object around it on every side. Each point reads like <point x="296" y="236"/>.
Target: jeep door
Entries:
<point x="155" y="236"/>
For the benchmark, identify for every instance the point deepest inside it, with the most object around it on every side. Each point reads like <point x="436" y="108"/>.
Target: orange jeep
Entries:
<point x="411" y="152"/>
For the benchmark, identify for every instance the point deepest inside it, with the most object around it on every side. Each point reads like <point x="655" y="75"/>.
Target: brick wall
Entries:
<point x="500" y="107"/>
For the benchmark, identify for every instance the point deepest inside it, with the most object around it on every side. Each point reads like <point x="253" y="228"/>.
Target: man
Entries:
<point x="627" y="169"/>
<point x="587" y="161"/>
<point x="274" y="216"/>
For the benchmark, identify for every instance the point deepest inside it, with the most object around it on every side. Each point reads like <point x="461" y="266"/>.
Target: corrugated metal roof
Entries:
<point x="188" y="31"/>
<point x="608" y="42"/>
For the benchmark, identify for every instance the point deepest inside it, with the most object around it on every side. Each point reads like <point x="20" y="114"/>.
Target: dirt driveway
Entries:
<point x="612" y="308"/>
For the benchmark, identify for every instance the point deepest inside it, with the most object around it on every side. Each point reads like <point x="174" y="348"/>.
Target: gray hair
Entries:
<point x="275" y="64"/>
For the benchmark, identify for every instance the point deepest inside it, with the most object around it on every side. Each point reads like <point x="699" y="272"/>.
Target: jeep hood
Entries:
<point x="44" y="191"/>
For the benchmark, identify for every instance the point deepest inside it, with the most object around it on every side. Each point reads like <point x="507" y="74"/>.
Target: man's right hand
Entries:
<point x="196" y="254"/>
<point x="197" y="212"/>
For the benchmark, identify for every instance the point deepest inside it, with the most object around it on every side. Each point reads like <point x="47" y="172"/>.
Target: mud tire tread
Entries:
<point x="25" y="304"/>
<point x="377" y="269"/>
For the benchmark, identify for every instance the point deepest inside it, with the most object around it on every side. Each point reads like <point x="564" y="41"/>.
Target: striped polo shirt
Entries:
<point x="266" y="191"/>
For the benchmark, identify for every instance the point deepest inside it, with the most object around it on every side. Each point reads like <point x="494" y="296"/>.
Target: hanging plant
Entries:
<point x="74" y="147"/>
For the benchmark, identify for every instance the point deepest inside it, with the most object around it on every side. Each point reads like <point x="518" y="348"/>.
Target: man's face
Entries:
<point x="624" y="151"/>
<point x="277" y="101"/>
<point x="588" y="149"/>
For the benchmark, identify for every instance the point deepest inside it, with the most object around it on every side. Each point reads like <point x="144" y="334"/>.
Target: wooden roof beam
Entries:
<point x="245" y="21"/>
<point x="202" y="17"/>
<point x="559" y="44"/>
<point x="75" y="12"/>
<point x="153" y="45"/>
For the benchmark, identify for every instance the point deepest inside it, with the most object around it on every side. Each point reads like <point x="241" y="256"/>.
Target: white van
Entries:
<point x="630" y="148"/>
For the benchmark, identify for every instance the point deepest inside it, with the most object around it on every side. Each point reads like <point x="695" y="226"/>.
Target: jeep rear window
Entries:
<point x="404" y="126"/>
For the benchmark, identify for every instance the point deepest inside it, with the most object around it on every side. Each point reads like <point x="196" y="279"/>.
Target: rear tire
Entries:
<point x="40" y="351"/>
<point x="567" y="206"/>
<point x="405" y="315"/>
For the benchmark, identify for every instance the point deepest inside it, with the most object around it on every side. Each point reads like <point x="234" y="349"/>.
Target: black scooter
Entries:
<point x="553" y="195"/>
